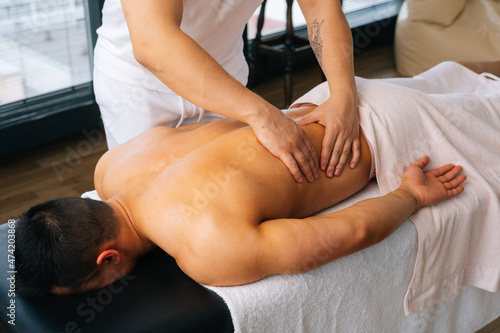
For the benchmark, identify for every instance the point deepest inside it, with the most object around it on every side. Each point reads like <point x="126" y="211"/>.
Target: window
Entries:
<point x="44" y="47"/>
<point x="45" y="70"/>
<point x="358" y="13"/>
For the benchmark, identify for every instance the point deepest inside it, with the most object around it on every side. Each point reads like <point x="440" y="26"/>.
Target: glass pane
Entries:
<point x="350" y="6"/>
<point x="43" y="47"/>
<point x="275" y="18"/>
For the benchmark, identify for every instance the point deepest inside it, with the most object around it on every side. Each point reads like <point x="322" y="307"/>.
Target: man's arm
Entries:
<point x="185" y="67"/>
<point x="290" y="246"/>
<point x="331" y="40"/>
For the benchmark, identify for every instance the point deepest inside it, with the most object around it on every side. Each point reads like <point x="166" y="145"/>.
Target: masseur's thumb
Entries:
<point x="309" y="119"/>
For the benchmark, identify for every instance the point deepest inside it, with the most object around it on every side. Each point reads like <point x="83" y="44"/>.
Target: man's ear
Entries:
<point x="112" y="256"/>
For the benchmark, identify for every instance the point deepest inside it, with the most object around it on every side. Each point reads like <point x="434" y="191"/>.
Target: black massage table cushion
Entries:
<point x="155" y="297"/>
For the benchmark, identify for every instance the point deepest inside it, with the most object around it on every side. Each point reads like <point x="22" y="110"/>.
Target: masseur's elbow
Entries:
<point x="147" y="52"/>
<point x="143" y="57"/>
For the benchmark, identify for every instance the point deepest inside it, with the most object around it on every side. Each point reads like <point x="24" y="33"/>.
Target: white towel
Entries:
<point x="362" y="292"/>
<point x="359" y="293"/>
<point x="453" y="115"/>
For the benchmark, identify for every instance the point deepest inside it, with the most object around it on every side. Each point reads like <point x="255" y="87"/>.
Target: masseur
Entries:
<point x="218" y="202"/>
<point x="163" y="63"/>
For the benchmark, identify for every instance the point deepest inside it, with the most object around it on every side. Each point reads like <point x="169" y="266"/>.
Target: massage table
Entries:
<point x="158" y="297"/>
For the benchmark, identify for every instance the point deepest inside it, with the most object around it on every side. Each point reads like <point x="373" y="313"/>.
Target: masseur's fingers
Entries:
<point x="339" y="115"/>
<point x="356" y="152"/>
<point x="305" y="157"/>
<point x="292" y="166"/>
<point x="310" y="152"/>
<point x="339" y="155"/>
<point x="289" y="142"/>
<point x="328" y="159"/>
<point x="299" y="162"/>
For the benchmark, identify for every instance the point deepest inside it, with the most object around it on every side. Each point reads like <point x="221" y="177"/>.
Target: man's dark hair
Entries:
<point x="57" y="243"/>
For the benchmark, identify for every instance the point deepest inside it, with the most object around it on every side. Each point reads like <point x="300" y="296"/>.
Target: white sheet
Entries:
<point x="360" y="293"/>
<point x="453" y="115"/>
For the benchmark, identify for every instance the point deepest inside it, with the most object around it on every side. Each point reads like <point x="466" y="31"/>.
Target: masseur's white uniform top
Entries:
<point x="132" y="100"/>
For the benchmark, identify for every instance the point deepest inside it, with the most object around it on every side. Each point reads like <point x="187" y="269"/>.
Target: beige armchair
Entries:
<point x="431" y="31"/>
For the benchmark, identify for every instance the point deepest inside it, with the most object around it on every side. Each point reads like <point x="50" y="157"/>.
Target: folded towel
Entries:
<point x="453" y="115"/>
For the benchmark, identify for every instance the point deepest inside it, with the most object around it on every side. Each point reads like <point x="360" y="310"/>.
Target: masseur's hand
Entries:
<point x="339" y="115"/>
<point x="287" y="141"/>
<point x="435" y="185"/>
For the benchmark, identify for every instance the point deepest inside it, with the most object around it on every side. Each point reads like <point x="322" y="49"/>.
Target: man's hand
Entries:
<point x="435" y="185"/>
<point x="340" y="117"/>
<point x="287" y="141"/>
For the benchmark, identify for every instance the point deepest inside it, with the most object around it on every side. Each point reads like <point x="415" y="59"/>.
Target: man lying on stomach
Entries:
<point x="217" y="201"/>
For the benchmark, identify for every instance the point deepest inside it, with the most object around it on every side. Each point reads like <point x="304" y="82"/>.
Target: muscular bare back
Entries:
<point x="179" y="185"/>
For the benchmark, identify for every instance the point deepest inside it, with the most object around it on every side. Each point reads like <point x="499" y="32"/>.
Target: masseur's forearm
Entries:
<point x="211" y="87"/>
<point x="331" y="39"/>
<point x="181" y="64"/>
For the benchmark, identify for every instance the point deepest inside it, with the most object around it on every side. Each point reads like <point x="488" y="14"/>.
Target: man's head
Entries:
<point x="59" y="244"/>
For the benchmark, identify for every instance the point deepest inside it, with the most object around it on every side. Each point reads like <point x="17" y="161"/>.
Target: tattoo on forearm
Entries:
<point x="315" y="39"/>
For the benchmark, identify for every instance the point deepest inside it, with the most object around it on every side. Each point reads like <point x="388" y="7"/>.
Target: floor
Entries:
<point x="65" y="167"/>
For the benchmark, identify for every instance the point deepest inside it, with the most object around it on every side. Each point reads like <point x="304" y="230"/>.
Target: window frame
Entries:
<point x="36" y="120"/>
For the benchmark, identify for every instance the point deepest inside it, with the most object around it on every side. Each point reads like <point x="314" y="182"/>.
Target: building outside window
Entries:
<point x="44" y="47"/>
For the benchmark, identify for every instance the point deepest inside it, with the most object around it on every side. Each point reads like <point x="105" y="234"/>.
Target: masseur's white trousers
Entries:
<point x="128" y="110"/>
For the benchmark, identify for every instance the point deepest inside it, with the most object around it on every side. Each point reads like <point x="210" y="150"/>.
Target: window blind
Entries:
<point x="44" y="47"/>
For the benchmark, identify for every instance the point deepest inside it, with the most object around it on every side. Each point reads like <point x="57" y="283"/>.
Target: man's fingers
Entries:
<point x="442" y="170"/>
<point x="454" y="192"/>
<point x="449" y="172"/>
<point x="454" y="183"/>
<point x="421" y="162"/>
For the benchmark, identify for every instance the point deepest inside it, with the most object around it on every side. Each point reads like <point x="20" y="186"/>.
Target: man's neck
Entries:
<point x="130" y="239"/>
